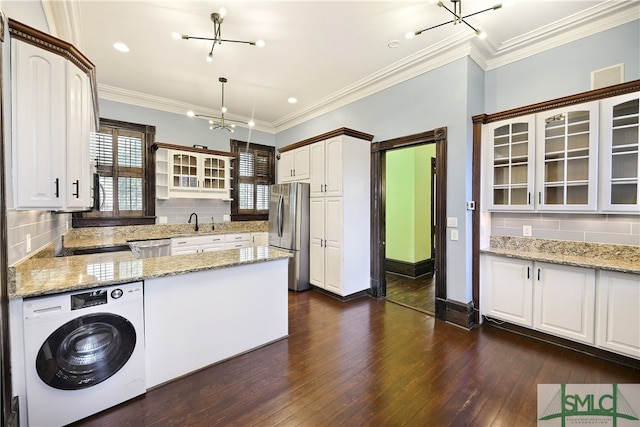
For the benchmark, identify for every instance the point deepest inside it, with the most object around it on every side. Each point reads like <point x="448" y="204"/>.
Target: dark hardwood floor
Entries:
<point x="418" y="294"/>
<point x="368" y="362"/>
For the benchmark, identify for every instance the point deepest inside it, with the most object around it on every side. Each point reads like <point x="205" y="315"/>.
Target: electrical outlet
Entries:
<point x="454" y="234"/>
<point x="28" y="241"/>
<point x="526" y="231"/>
<point x="162" y="220"/>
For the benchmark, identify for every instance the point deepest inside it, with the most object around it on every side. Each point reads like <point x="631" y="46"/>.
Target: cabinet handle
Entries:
<point x="77" y="193"/>
<point x="539" y="197"/>
<point x="325" y="188"/>
<point x="57" y="187"/>
<point x="321" y="245"/>
<point x="528" y="272"/>
<point x="529" y="198"/>
<point x="538" y="275"/>
<point x="293" y="172"/>
<point x="321" y="188"/>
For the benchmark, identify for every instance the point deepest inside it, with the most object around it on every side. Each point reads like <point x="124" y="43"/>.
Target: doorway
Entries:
<point x="436" y="278"/>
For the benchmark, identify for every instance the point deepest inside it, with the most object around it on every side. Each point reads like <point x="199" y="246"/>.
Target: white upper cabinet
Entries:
<point x="80" y="125"/>
<point x="510" y="164"/>
<point x="53" y="117"/>
<point x="326" y="167"/>
<point x="190" y="174"/>
<point x="619" y="147"/>
<point x="566" y="158"/>
<point x="294" y="165"/>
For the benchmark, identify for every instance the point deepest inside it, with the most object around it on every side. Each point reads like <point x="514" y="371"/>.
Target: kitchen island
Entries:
<point x="199" y="309"/>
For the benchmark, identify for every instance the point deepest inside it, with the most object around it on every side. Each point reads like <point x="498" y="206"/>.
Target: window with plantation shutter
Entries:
<point x="253" y="175"/>
<point x="125" y="175"/>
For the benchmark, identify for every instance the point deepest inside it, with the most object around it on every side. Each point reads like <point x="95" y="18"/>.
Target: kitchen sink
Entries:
<point x="150" y="248"/>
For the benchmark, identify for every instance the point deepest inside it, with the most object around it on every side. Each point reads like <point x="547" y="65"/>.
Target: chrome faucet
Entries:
<point x="191" y="216"/>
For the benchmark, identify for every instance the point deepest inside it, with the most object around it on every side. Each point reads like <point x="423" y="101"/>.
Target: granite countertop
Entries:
<point x="45" y="273"/>
<point x="39" y="276"/>
<point x="622" y="258"/>
<point x="104" y="237"/>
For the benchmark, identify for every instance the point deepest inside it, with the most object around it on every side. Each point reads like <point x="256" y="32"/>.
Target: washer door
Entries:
<point x="86" y="351"/>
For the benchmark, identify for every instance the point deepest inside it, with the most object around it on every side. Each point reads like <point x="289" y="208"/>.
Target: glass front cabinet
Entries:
<point x="566" y="158"/>
<point x="511" y="151"/>
<point x="619" y="147"/>
<point x="186" y="174"/>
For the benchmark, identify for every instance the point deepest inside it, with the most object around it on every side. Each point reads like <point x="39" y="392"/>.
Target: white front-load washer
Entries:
<point x="84" y="352"/>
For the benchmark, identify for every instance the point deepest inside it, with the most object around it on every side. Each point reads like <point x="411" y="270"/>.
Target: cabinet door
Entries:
<point x="317" y="241"/>
<point x="285" y="167"/>
<point x="184" y="170"/>
<point x="333" y="167"/>
<point x="215" y="173"/>
<point x="38" y="131"/>
<point x="79" y="174"/>
<point x="260" y="239"/>
<point x="566" y="158"/>
<point x="333" y="244"/>
<point x="301" y="163"/>
<point x="618" y="313"/>
<point x="564" y="301"/>
<point x="507" y="289"/>
<point x="620" y="147"/>
<point x="509" y="164"/>
<point x="317" y="171"/>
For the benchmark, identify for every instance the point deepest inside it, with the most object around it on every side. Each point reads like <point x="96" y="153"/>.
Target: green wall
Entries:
<point x="408" y="203"/>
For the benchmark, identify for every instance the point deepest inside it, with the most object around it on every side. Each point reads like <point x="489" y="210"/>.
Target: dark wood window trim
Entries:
<point x="149" y="182"/>
<point x="236" y="148"/>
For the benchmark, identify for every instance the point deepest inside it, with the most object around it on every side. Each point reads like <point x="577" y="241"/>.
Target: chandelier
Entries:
<point x="220" y="122"/>
<point x="218" y="18"/>
<point x="458" y="18"/>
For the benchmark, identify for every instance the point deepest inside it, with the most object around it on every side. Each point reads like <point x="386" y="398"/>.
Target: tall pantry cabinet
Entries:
<point x="339" y="178"/>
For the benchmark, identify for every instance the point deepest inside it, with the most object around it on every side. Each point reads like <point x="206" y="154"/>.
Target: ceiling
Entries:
<point x="324" y="53"/>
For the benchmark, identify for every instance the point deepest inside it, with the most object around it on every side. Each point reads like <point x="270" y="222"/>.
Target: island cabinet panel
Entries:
<point x="564" y="301"/>
<point x="193" y="320"/>
<point x="618" y="308"/>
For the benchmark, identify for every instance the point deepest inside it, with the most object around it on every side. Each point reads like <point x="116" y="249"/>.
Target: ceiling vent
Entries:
<point x="607" y="76"/>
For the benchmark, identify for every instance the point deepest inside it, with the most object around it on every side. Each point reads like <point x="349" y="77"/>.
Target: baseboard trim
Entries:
<point x="459" y="313"/>
<point x="409" y="269"/>
<point x="565" y="343"/>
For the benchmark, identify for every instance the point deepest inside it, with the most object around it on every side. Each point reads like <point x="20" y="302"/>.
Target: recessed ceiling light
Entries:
<point x="176" y="36"/>
<point x="393" y="44"/>
<point x="292" y="100"/>
<point x="121" y="47"/>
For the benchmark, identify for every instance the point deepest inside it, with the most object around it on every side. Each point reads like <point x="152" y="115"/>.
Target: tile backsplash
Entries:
<point x="595" y="228"/>
<point x="177" y="211"/>
<point x="44" y="227"/>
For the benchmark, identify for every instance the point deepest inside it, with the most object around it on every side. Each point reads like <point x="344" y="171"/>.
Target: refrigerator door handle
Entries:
<point x="280" y="215"/>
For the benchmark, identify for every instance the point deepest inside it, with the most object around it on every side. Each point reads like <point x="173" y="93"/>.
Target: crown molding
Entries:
<point x="591" y="21"/>
<point x="63" y="21"/>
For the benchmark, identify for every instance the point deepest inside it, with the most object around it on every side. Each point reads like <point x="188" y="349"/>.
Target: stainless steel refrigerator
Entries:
<point x="289" y="229"/>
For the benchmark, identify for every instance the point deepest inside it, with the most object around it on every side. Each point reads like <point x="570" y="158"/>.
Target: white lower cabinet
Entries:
<point x="564" y="301"/>
<point x="596" y="308"/>
<point x="237" y="240"/>
<point x="507" y="293"/>
<point x="618" y="308"/>
<point x="260" y="239"/>
<point x="197" y="244"/>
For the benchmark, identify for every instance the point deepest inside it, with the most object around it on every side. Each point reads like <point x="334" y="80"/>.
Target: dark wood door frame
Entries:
<point x="378" y="199"/>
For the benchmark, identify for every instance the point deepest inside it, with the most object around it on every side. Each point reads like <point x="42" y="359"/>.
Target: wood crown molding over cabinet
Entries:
<point x="27" y="34"/>
<point x="328" y="135"/>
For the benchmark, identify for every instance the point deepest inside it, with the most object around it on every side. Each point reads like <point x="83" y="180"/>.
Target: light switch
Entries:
<point x="454" y="234"/>
<point x="452" y="221"/>
<point x="526" y="231"/>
